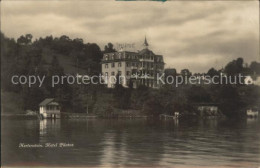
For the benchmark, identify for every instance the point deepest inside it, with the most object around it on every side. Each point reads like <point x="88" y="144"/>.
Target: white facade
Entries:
<point x="141" y="67"/>
<point x="111" y="69"/>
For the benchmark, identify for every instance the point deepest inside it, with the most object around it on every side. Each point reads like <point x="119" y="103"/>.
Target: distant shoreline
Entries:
<point x="85" y="116"/>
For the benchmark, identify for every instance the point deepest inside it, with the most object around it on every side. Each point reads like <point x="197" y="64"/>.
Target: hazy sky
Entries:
<point x="196" y="35"/>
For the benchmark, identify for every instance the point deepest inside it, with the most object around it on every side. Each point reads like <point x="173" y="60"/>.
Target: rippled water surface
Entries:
<point x="127" y="143"/>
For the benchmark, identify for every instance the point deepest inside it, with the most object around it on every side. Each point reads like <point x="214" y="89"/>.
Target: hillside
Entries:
<point x="67" y="62"/>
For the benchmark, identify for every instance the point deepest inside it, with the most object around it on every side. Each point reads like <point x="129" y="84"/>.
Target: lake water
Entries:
<point x="132" y="143"/>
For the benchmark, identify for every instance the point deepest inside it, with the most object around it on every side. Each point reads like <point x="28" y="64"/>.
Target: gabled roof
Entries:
<point x="145" y="51"/>
<point x="46" y="101"/>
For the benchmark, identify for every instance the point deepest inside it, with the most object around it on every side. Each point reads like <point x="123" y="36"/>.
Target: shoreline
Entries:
<point x="86" y="116"/>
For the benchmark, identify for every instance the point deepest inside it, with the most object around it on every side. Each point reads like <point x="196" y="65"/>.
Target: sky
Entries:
<point x="196" y="35"/>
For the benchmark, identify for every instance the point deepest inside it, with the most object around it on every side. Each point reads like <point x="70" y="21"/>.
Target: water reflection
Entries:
<point x="43" y="127"/>
<point x="134" y="142"/>
<point x="49" y="130"/>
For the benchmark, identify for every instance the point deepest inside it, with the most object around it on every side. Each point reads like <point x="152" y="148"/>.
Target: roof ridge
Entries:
<point x="46" y="101"/>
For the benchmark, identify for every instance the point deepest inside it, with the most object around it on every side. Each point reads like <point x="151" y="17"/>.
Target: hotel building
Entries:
<point x="141" y="68"/>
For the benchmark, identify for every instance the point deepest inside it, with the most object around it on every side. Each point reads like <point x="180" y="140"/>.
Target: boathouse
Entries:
<point x="49" y="108"/>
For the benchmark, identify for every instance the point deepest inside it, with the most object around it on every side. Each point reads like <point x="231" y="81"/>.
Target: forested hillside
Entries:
<point x="61" y="55"/>
<point x="46" y="56"/>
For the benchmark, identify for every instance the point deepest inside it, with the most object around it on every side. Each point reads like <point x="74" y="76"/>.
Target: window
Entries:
<point x="119" y="73"/>
<point x="119" y="64"/>
<point x="113" y="73"/>
<point x="127" y="64"/>
<point x="106" y="57"/>
<point x="106" y="73"/>
<point x="106" y="65"/>
<point x="113" y="65"/>
<point x="127" y="73"/>
<point x="133" y="64"/>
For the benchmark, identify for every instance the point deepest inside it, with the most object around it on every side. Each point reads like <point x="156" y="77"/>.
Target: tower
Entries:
<point x="145" y="43"/>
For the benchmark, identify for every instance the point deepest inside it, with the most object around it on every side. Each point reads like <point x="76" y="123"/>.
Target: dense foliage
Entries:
<point x="44" y="57"/>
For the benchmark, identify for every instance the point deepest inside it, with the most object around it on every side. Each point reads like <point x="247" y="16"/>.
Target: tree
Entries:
<point x="118" y="91"/>
<point x="170" y="74"/>
<point x="55" y="68"/>
<point x="255" y="67"/>
<point x="77" y="103"/>
<point x="185" y="72"/>
<point x="153" y="106"/>
<point x="25" y="40"/>
<point x="240" y="63"/>
<point x="212" y="72"/>
<point x="109" y="48"/>
<point x="234" y="67"/>
<point x="131" y="84"/>
<point x="230" y="101"/>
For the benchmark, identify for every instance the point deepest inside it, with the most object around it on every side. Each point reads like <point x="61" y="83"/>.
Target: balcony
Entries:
<point x="146" y="60"/>
<point x="52" y="111"/>
<point x="133" y="67"/>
